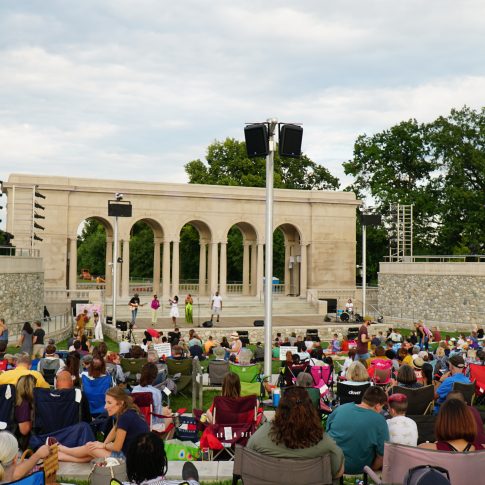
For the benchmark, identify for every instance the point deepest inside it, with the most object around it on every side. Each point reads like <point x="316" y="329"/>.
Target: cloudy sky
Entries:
<point x="134" y="89"/>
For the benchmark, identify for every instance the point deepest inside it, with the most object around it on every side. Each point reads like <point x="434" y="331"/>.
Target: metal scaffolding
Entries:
<point x="401" y="240"/>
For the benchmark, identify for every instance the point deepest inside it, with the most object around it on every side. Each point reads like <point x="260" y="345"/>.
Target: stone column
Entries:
<point x="156" y="265"/>
<point x="125" y="269"/>
<point x="287" y="269"/>
<point x="202" y="266"/>
<point x="175" y="268"/>
<point x="223" y="270"/>
<point x="245" y="290"/>
<point x="260" y="271"/>
<point x="166" y="270"/>
<point x="303" y="270"/>
<point x="73" y="263"/>
<point x="254" y="259"/>
<point x="108" y="276"/>
<point x="214" y="267"/>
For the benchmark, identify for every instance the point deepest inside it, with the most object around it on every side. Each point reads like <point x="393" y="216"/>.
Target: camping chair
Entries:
<point x="184" y="369"/>
<point x="35" y="478"/>
<point x="398" y="459"/>
<point x="7" y="406"/>
<point x="132" y="368"/>
<point x="380" y="372"/>
<point x="322" y="376"/>
<point x="217" y="371"/>
<point x="95" y="391"/>
<point x="249" y="377"/>
<point x="234" y="421"/>
<point x="257" y="469"/>
<point x="3" y="365"/>
<point x="48" y="368"/>
<point x="468" y="391"/>
<point x="420" y="399"/>
<point x="54" y="410"/>
<point x="351" y="393"/>
<point x="477" y="374"/>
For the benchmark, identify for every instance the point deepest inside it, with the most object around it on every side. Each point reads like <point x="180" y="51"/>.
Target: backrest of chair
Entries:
<point x="3" y="365"/>
<point x="468" y="391"/>
<point x="259" y="469"/>
<point x="7" y="405"/>
<point x="95" y="391"/>
<point x="231" y="410"/>
<point x="183" y="366"/>
<point x="321" y="375"/>
<point x="477" y="374"/>
<point x="351" y="393"/>
<point x="133" y="366"/>
<point x="419" y="398"/>
<point x="246" y="373"/>
<point x="218" y="369"/>
<point x="54" y="410"/>
<point x="382" y="376"/>
<point x="144" y="401"/>
<point x="398" y="459"/>
<point x="426" y="427"/>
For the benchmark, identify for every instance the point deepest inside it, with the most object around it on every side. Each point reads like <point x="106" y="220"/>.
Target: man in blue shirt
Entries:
<point x="360" y="430"/>
<point x="445" y="385"/>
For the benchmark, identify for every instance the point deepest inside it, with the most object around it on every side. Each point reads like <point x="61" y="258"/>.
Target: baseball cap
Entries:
<point x="457" y="361"/>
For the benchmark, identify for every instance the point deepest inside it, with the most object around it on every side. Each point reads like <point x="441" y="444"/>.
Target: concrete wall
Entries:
<point x="21" y="288"/>
<point x="436" y="292"/>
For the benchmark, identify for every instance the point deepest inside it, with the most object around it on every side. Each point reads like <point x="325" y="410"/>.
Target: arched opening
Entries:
<point x="241" y="259"/>
<point x="287" y="260"/>
<point x="91" y="260"/>
<point x="195" y="260"/>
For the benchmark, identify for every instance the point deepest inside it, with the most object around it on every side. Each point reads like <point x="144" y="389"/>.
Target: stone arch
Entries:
<point x="290" y="259"/>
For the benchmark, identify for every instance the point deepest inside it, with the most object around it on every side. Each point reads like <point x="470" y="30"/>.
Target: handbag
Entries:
<point x="50" y="464"/>
<point x="105" y="470"/>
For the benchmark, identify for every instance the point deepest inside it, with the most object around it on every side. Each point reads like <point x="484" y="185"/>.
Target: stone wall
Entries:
<point x="21" y="288"/>
<point x="446" y="293"/>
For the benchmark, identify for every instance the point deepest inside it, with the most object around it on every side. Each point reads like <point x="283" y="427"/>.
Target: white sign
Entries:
<point x="287" y="348"/>
<point x="163" y="349"/>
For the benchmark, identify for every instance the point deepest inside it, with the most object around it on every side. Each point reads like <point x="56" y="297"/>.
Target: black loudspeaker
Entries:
<point x="122" y="325"/>
<point x="208" y="324"/>
<point x="258" y="323"/>
<point x="353" y="333"/>
<point x="256" y="140"/>
<point x="311" y="334"/>
<point x="370" y="219"/>
<point x="290" y="141"/>
<point x="244" y="336"/>
<point x="109" y="320"/>
<point x="119" y="208"/>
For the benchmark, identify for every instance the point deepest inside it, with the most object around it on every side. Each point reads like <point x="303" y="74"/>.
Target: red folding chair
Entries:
<point x="380" y="372"/>
<point x="234" y="421"/>
<point x="477" y="374"/>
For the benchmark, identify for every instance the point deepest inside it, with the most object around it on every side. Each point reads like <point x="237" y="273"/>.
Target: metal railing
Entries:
<point x="53" y="295"/>
<point x="50" y="325"/>
<point x="19" y="252"/>
<point x="456" y="258"/>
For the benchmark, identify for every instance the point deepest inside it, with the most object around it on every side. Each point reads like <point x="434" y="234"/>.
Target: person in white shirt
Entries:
<point x="349" y="306"/>
<point x="402" y="430"/>
<point x="125" y="347"/>
<point x="216" y="306"/>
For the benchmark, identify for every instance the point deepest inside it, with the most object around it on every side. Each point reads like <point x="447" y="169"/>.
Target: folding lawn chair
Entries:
<point x="249" y="375"/>
<point x="420" y="399"/>
<point x="234" y="421"/>
<point x="132" y="367"/>
<point x="180" y="371"/>
<point x="7" y="406"/>
<point x="217" y="371"/>
<point x="95" y="391"/>
<point x="468" y="391"/>
<point x="477" y="374"/>
<point x="380" y="372"/>
<point x="351" y="393"/>
<point x="48" y="368"/>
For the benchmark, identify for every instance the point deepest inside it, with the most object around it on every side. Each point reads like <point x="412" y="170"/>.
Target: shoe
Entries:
<point x="189" y="472"/>
<point x="51" y="441"/>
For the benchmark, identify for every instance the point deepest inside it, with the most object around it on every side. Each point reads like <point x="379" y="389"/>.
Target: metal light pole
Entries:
<point x="115" y="271"/>
<point x="364" y="266"/>
<point x="268" y="281"/>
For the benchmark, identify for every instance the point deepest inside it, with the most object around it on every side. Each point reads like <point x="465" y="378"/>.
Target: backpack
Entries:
<point x="427" y="475"/>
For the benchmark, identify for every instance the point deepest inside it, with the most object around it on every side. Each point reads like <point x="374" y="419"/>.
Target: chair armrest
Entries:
<point x="372" y="475"/>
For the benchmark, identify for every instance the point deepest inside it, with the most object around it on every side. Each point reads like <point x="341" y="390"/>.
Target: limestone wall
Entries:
<point x="21" y="288"/>
<point x="437" y="292"/>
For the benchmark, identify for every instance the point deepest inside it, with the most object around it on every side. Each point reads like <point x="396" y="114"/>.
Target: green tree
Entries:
<point x="189" y="251"/>
<point x="91" y="248"/>
<point x="227" y="163"/>
<point x="141" y="250"/>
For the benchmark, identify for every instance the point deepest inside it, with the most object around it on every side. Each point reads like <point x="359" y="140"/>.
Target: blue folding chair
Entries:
<point x="36" y="478"/>
<point x="95" y="391"/>
<point x="7" y="406"/>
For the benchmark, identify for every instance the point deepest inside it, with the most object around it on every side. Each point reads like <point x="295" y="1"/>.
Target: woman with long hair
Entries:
<point x="406" y="377"/>
<point x="73" y="364"/>
<point x="129" y="423"/>
<point x="189" y="301"/>
<point x="296" y="432"/>
<point x="24" y="403"/>
<point x="455" y="429"/>
<point x="146" y="462"/>
<point x="26" y="339"/>
<point x="231" y="387"/>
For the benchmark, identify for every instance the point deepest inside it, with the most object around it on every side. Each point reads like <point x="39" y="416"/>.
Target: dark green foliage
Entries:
<point x="189" y="253"/>
<point x="141" y="251"/>
<point x="91" y="251"/>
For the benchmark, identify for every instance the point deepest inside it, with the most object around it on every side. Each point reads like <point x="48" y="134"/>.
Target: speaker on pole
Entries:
<point x="290" y="141"/>
<point x="257" y="144"/>
<point x="258" y="323"/>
